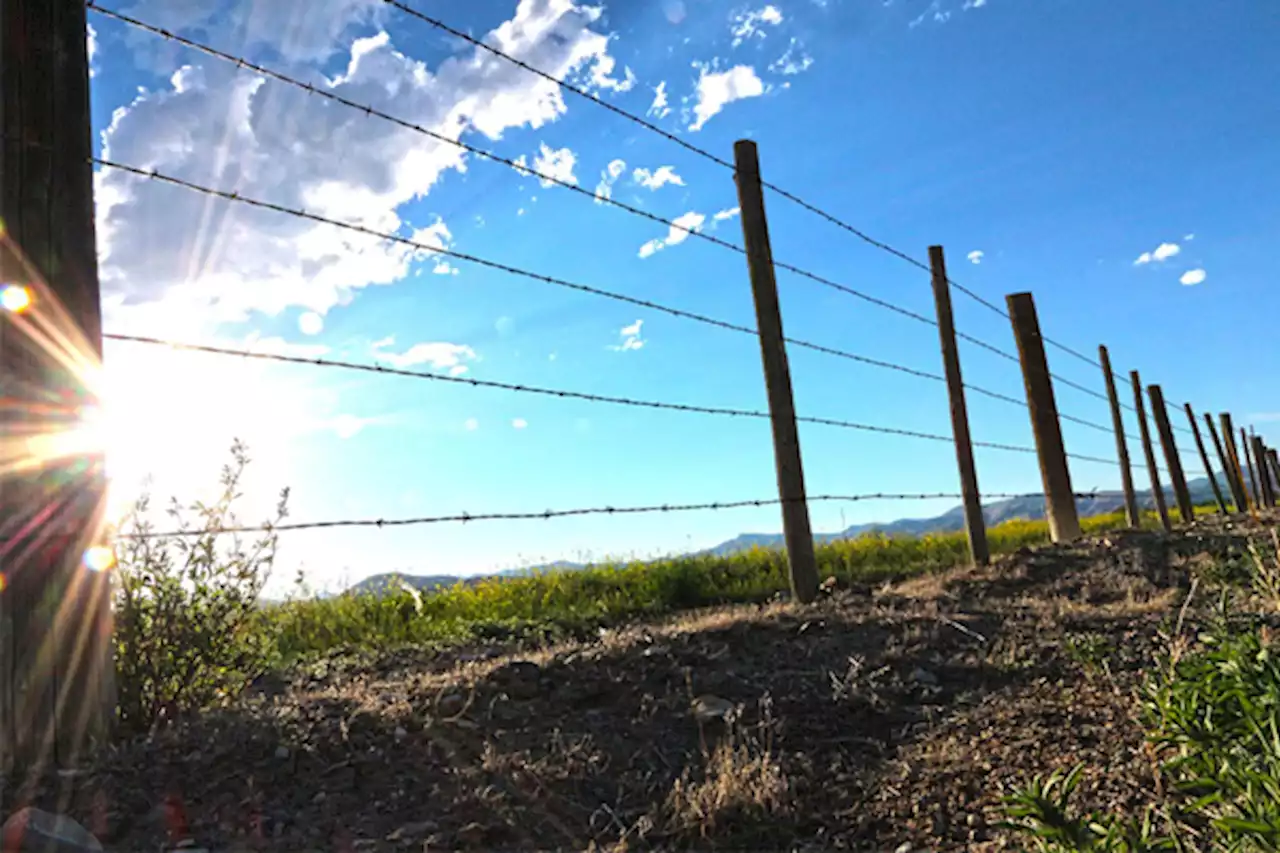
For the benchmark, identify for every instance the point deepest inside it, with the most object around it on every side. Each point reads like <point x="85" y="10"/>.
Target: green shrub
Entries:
<point x="188" y="630"/>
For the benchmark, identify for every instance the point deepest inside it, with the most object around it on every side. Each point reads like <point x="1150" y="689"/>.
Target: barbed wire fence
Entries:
<point x="1171" y="464"/>
<point x="51" y="95"/>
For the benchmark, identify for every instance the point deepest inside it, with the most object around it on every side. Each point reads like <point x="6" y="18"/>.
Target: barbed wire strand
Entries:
<point x="701" y="152"/>
<point x="466" y="518"/>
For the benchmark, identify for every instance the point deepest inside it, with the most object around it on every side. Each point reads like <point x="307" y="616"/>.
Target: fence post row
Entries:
<point x="975" y="524"/>
<point x="1122" y="446"/>
<point x="1204" y="459"/>
<point x="55" y="618"/>
<point x="1178" y="480"/>
<point x="777" y="375"/>
<point x="1144" y="430"/>
<point x="1060" y="500"/>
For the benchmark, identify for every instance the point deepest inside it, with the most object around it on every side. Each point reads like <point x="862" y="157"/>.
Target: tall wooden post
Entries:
<point x="1228" y="466"/>
<point x="1250" y="469"/>
<point x="55" y="618"/>
<point x="1274" y="462"/>
<point x="1144" y="430"/>
<point x="777" y="374"/>
<point x="1233" y="454"/>
<point x="1204" y="459"/>
<point x="975" y="525"/>
<point x="1122" y="446"/>
<point x="1060" y="501"/>
<point x="1179" y="480"/>
<point x="1264" y="476"/>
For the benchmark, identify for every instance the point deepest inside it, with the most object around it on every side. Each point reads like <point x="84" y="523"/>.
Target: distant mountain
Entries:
<point x="1030" y="508"/>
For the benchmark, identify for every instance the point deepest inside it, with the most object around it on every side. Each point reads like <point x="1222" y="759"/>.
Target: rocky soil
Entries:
<point x="877" y="719"/>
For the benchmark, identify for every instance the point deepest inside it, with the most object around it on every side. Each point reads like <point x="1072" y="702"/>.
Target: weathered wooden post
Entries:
<point x="1255" y="491"/>
<point x="1264" y="476"/>
<point x="1274" y="461"/>
<point x="1144" y="430"/>
<point x="1204" y="459"/>
<point x="1228" y="466"/>
<point x="1180" y="492"/>
<point x="975" y="525"/>
<point x="1059" y="498"/>
<point x="777" y="374"/>
<point x="1122" y="446"/>
<point x="55" y="619"/>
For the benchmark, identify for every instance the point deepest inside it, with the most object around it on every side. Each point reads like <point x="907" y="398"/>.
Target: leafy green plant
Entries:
<point x="188" y="630"/>
<point x="1091" y="651"/>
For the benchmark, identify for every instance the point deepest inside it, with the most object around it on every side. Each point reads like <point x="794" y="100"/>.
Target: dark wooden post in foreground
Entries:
<point x="975" y="525"/>
<point x="1060" y="500"/>
<point x="1233" y="454"/>
<point x="1204" y="459"/>
<point x="777" y="375"/>
<point x="1179" y="480"/>
<point x="1144" y="430"/>
<point x="1274" y="462"/>
<point x="1122" y="446"/>
<point x="1228" y="465"/>
<point x="55" y="618"/>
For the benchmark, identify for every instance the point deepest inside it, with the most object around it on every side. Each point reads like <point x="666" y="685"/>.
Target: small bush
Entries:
<point x="188" y="630"/>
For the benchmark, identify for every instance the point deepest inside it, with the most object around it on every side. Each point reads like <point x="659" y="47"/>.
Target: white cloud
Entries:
<point x="794" y="61"/>
<point x="728" y="213"/>
<point x="608" y="178"/>
<point x="310" y="323"/>
<point x="691" y="221"/>
<point x="717" y="89"/>
<point x="629" y="338"/>
<point x="748" y="23"/>
<point x="1188" y="238"/>
<point x="519" y="423"/>
<point x="438" y="355"/>
<point x="674" y="10"/>
<point x="976" y="256"/>
<point x="934" y="11"/>
<point x="659" y="107"/>
<point x="504" y="326"/>
<point x="1161" y="253"/>
<point x="208" y="261"/>
<point x="557" y="163"/>
<point x="471" y="425"/>
<point x="1193" y="277"/>
<point x="974" y="4"/>
<point x="91" y="44"/>
<point x="657" y="179"/>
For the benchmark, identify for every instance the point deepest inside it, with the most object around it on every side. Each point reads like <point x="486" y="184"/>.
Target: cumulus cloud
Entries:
<point x="658" y="178"/>
<point x="629" y="338"/>
<point x="1161" y="253"/>
<point x="310" y="323"/>
<point x="608" y="178"/>
<point x="728" y="213"/>
<point x="750" y="23"/>
<point x="555" y="163"/>
<point x="659" y="108"/>
<point x="976" y="256"/>
<point x="717" y="89"/>
<point x="438" y="355"/>
<point x="691" y="221"/>
<point x="1193" y="277"/>
<point x="210" y="261"/>
<point x="794" y="61"/>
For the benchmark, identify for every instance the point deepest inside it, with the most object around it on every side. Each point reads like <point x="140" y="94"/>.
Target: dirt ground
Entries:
<point x="887" y="719"/>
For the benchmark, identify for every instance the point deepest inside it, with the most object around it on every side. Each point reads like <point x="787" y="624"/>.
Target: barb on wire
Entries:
<point x="533" y="389"/>
<point x="544" y="515"/>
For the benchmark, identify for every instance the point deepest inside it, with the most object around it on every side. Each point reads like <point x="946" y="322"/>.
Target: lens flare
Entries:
<point x="3" y="582"/>
<point x="99" y="558"/>
<point x="15" y="298"/>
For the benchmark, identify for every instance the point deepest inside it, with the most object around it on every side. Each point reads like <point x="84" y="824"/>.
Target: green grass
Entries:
<point x="574" y="603"/>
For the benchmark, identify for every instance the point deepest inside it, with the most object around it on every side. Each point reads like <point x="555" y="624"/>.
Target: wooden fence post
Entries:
<point x="1264" y="476"/>
<point x="1233" y="454"/>
<point x="1204" y="459"/>
<point x="1179" y="480"/>
<point x="975" y="525"/>
<point x="1275" y="469"/>
<point x="1122" y="446"/>
<point x="782" y="414"/>
<point x="1250" y="469"/>
<point x="1144" y="430"/>
<point x="1228" y="466"/>
<point x="55" y="617"/>
<point x="1059" y="498"/>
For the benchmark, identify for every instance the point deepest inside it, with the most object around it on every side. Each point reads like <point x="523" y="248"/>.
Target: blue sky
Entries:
<point x="1097" y="154"/>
